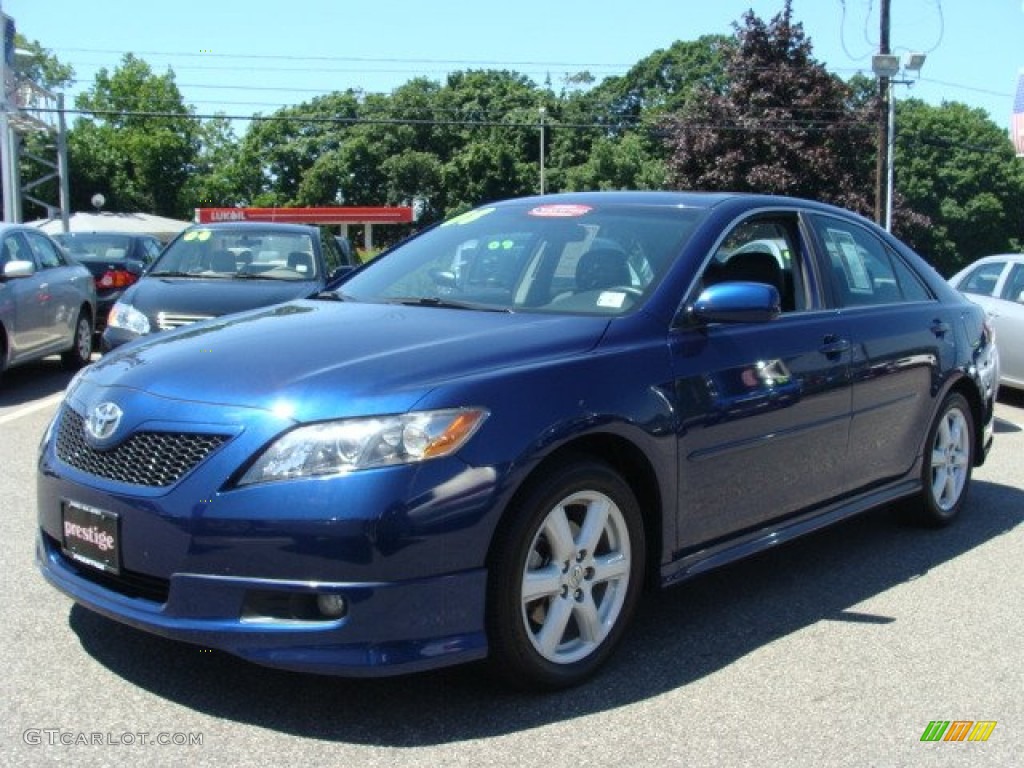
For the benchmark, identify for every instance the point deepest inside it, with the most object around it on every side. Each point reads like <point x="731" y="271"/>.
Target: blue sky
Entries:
<point x="246" y="56"/>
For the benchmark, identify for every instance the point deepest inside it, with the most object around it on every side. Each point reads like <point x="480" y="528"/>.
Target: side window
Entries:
<point x="764" y="249"/>
<point x="862" y="269"/>
<point x="332" y="254"/>
<point x="16" y="249"/>
<point x="47" y="254"/>
<point x="982" y="280"/>
<point x="151" y="249"/>
<point x="1014" y="288"/>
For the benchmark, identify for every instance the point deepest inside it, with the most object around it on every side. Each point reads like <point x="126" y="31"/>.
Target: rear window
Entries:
<point x="95" y="246"/>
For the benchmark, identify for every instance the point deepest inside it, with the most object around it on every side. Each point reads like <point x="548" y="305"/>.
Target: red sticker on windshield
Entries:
<point x="560" y="211"/>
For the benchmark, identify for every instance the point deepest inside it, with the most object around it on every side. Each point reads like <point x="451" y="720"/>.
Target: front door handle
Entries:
<point x="834" y="346"/>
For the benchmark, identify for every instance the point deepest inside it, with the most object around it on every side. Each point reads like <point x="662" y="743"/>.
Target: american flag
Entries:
<point x="1017" y="121"/>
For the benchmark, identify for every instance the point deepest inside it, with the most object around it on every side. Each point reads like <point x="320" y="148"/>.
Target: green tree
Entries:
<point x="138" y="143"/>
<point x="956" y="166"/>
<point x="214" y="178"/>
<point x="36" y="63"/>
<point x="782" y="124"/>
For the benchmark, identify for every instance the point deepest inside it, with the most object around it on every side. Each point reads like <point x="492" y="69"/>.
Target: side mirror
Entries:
<point x="736" y="302"/>
<point x="14" y="269"/>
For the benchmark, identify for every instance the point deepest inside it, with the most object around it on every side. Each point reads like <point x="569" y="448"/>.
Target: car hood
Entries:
<point x="330" y="359"/>
<point x="212" y="297"/>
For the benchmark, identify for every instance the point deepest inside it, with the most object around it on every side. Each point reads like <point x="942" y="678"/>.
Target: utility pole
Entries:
<point x="884" y="94"/>
<point x="8" y="162"/>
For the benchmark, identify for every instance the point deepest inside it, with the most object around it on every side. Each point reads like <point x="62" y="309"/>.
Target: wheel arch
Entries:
<point x="636" y="470"/>
<point x="965" y="386"/>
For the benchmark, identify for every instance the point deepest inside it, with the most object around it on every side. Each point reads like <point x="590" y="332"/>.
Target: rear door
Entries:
<point x="902" y="338"/>
<point x="63" y="285"/>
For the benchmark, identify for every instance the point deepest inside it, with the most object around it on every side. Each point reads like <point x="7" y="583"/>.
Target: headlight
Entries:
<point x="344" y="446"/>
<point x="129" y="318"/>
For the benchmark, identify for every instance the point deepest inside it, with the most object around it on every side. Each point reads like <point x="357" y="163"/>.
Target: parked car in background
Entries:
<point x="216" y="269"/>
<point x="115" y="259"/>
<point x="47" y="301"/>
<point x="997" y="283"/>
<point x="485" y="441"/>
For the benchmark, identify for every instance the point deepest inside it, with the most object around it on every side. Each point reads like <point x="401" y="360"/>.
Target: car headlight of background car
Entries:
<point x="336" y="447"/>
<point x="129" y="318"/>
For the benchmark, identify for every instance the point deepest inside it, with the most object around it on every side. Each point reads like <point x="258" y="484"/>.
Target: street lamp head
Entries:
<point x="915" y="61"/>
<point x="885" y="65"/>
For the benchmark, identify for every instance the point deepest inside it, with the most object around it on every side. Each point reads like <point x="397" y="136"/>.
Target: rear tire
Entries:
<point x="948" y="461"/>
<point x="566" y="576"/>
<point x="81" y="348"/>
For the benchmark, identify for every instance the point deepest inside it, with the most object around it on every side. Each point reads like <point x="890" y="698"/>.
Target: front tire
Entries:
<point x="566" y="576"/>
<point x="81" y="348"/>
<point x="948" y="461"/>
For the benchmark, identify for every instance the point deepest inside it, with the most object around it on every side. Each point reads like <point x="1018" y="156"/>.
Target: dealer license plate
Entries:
<point x="91" y="536"/>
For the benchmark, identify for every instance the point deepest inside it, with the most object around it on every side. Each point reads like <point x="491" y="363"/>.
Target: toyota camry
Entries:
<point x="489" y="440"/>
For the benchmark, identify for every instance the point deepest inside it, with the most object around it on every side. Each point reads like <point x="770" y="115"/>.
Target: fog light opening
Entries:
<point x="289" y="606"/>
<point x="331" y="606"/>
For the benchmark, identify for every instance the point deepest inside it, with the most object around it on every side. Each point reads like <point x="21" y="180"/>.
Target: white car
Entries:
<point x="997" y="283"/>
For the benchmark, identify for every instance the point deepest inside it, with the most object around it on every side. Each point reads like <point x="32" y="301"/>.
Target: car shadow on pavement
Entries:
<point x="32" y="381"/>
<point x="680" y="635"/>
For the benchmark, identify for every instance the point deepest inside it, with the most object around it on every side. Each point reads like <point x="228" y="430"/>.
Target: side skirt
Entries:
<point x="692" y="563"/>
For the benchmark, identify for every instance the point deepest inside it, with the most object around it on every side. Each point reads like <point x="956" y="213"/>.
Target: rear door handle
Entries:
<point x="939" y="328"/>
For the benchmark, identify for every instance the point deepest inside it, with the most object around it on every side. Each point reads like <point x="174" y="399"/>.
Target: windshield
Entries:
<point x="544" y="258"/>
<point x="250" y="253"/>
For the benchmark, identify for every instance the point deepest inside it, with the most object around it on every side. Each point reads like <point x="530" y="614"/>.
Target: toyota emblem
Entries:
<point x="103" y="421"/>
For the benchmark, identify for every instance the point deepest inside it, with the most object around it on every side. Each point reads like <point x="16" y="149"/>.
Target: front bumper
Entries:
<point x="389" y="628"/>
<point x="205" y="562"/>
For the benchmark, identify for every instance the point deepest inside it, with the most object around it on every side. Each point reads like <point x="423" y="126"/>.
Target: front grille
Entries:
<point x="165" y="321"/>
<point x="128" y="583"/>
<point x="155" y="459"/>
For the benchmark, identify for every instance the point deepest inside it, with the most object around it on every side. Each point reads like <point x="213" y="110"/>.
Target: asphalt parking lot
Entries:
<point x="840" y="650"/>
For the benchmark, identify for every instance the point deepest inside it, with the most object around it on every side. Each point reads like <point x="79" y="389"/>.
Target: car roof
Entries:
<point x="687" y="199"/>
<point x="103" y="233"/>
<point x="255" y="226"/>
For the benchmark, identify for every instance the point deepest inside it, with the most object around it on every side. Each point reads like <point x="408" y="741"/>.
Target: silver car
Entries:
<point x="47" y="300"/>
<point x="997" y="283"/>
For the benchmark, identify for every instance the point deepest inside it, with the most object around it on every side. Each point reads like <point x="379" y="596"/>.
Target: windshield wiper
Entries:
<point x="172" y="273"/>
<point x="332" y="296"/>
<point x="443" y="303"/>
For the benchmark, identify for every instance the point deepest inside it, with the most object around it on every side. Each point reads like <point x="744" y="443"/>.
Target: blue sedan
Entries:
<point x="487" y="441"/>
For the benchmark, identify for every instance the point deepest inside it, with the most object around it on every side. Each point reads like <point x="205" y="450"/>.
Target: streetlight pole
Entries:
<point x="887" y="67"/>
<point x="542" y="112"/>
<point x="890" y="151"/>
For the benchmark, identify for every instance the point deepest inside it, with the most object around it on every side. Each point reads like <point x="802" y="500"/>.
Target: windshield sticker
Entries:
<point x="560" y="211"/>
<point x="611" y="299"/>
<point x="188" y="237"/>
<point x="468" y="217"/>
